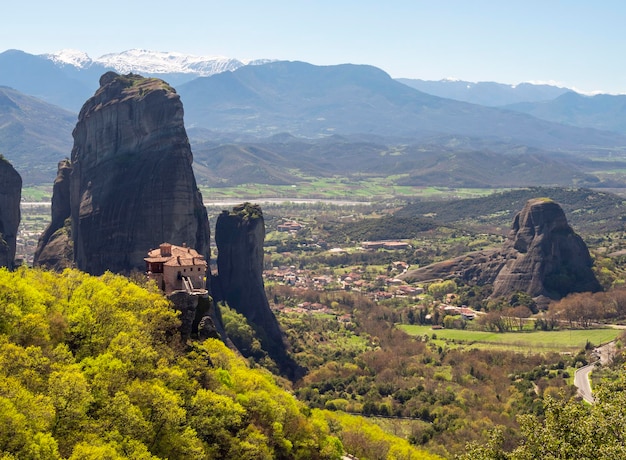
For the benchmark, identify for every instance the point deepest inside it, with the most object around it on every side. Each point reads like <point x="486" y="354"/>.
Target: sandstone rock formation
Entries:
<point x="197" y="315"/>
<point x="54" y="249"/>
<point x="130" y="187"/>
<point x="10" y="196"/>
<point x="239" y="235"/>
<point x="131" y="184"/>
<point x="543" y="257"/>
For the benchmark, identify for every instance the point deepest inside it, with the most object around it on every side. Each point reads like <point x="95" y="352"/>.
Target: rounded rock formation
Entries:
<point x="545" y="257"/>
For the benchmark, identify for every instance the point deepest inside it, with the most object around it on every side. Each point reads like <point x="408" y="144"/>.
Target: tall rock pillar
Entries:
<point x="239" y="235"/>
<point x="10" y="196"/>
<point x="131" y="185"/>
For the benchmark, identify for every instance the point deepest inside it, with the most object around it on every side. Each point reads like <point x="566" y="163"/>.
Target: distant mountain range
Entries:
<point x="602" y="111"/>
<point x="34" y="135"/>
<point x="490" y="94"/>
<point x="148" y="62"/>
<point x="68" y="78"/>
<point x="314" y="101"/>
<point x="277" y="118"/>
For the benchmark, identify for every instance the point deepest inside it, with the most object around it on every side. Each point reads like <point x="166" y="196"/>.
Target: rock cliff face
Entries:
<point x="239" y="235"/>
<point x="131" y="185"/>
<point x="10" y="196"/>
<point x="543" y="257"/>
<point x="54" y="249"/>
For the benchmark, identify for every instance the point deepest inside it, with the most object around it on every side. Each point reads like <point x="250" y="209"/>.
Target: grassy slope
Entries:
<point x="563" y="340"/>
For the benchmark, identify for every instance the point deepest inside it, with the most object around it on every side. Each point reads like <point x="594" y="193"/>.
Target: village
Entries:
<point x="379" y="284"/>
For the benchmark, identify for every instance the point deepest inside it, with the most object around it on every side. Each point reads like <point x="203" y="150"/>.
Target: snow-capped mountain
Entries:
<point x="74" y="58"/>
<point x="151" y="62"/>
<point x="69" y="77"/>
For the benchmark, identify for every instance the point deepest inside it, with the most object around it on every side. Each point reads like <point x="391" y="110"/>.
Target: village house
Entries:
<point x="289" y="226"/>
<point x="372" y="245"/>
<point x="400" y="265"/>
<point x="407" y="289"/>
<point x="176" y="268"/>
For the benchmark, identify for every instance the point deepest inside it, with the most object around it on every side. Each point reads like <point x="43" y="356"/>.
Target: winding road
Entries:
<point x="581" y="380"/>
<point x="605" y="355"/>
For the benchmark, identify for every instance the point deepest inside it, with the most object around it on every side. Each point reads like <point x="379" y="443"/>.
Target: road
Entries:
<point x="581" y="380"/>
<point x="605" y="355"/>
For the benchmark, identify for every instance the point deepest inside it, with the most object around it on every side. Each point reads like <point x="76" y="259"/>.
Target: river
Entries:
<point x="234" y="201"/>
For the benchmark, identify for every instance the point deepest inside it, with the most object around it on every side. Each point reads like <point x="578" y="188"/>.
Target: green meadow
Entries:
<point x="541" y="341"/>
<point x="340" y="188"/>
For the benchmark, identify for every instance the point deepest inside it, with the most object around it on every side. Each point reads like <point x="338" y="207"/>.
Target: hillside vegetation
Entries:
<point x="588" y="211"/>
<point x="93" y="368"/>
<point x="449" y="161"/>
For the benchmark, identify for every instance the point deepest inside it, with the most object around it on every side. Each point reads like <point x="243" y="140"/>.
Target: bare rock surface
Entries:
<point x="131" y="184"/>
<point x="54" y="248"/>
<point x="10" y="196"/>
<point x="239" y="235"/>
<point x="543" y="257"/>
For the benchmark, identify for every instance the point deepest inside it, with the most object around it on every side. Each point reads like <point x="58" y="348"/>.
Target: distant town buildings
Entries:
<point x="289" y="226"/>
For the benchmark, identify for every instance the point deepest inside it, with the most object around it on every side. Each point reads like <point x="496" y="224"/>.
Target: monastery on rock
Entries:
<point x="176" y="268"/>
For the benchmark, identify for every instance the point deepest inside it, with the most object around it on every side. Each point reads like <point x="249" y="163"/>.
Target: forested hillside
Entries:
<point x="588" y="211"/>
<point x="569" y="429"/>
<point x="94" y="368"/>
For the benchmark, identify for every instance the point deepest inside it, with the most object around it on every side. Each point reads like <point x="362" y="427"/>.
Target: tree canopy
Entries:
<point x="94" y="368"/>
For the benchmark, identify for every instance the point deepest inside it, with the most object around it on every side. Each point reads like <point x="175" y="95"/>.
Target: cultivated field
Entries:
<point x="540" y="341"/>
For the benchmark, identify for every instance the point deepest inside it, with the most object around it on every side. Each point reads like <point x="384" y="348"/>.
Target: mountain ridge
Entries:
<point x="314" y="101"/>
<point x="601" y="111"/>
<point x="490" y="94"/>
<point x="34" y="135"/>
<point x="253" y="103"/>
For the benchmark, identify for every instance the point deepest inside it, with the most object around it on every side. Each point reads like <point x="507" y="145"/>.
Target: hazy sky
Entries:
<point x="578" y="44"/>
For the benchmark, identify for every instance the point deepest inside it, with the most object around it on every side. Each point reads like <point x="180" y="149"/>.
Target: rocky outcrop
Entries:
<point x="10" y="196"/>
<point x="54" y="248"/>
<point x="197" y="316"/>
<point x="543" y="257"/>
<point x="239" y="235"/>
<point x="131" y="185"/>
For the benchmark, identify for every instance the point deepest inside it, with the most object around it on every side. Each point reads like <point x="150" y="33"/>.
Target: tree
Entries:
<point x="520" y="313"/>
<point x="71" y="397"/>
<point x="568" y="429"/>
<point x="440" y="289"/>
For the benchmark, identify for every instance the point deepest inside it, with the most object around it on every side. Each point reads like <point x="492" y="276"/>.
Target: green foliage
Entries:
<point x="381" y="228"/>
<point x="241" y="333"/>
<point x="367" y="440"/>
<point x="247" y="211"/>
<point x="141" y="85"/>
<point x="93" y="368"/>
<point x="440" y="289"/>
<point x="569" y="429"/>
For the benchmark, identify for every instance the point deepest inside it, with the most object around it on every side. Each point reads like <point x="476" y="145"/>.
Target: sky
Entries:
<point x="575" y="44"/>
